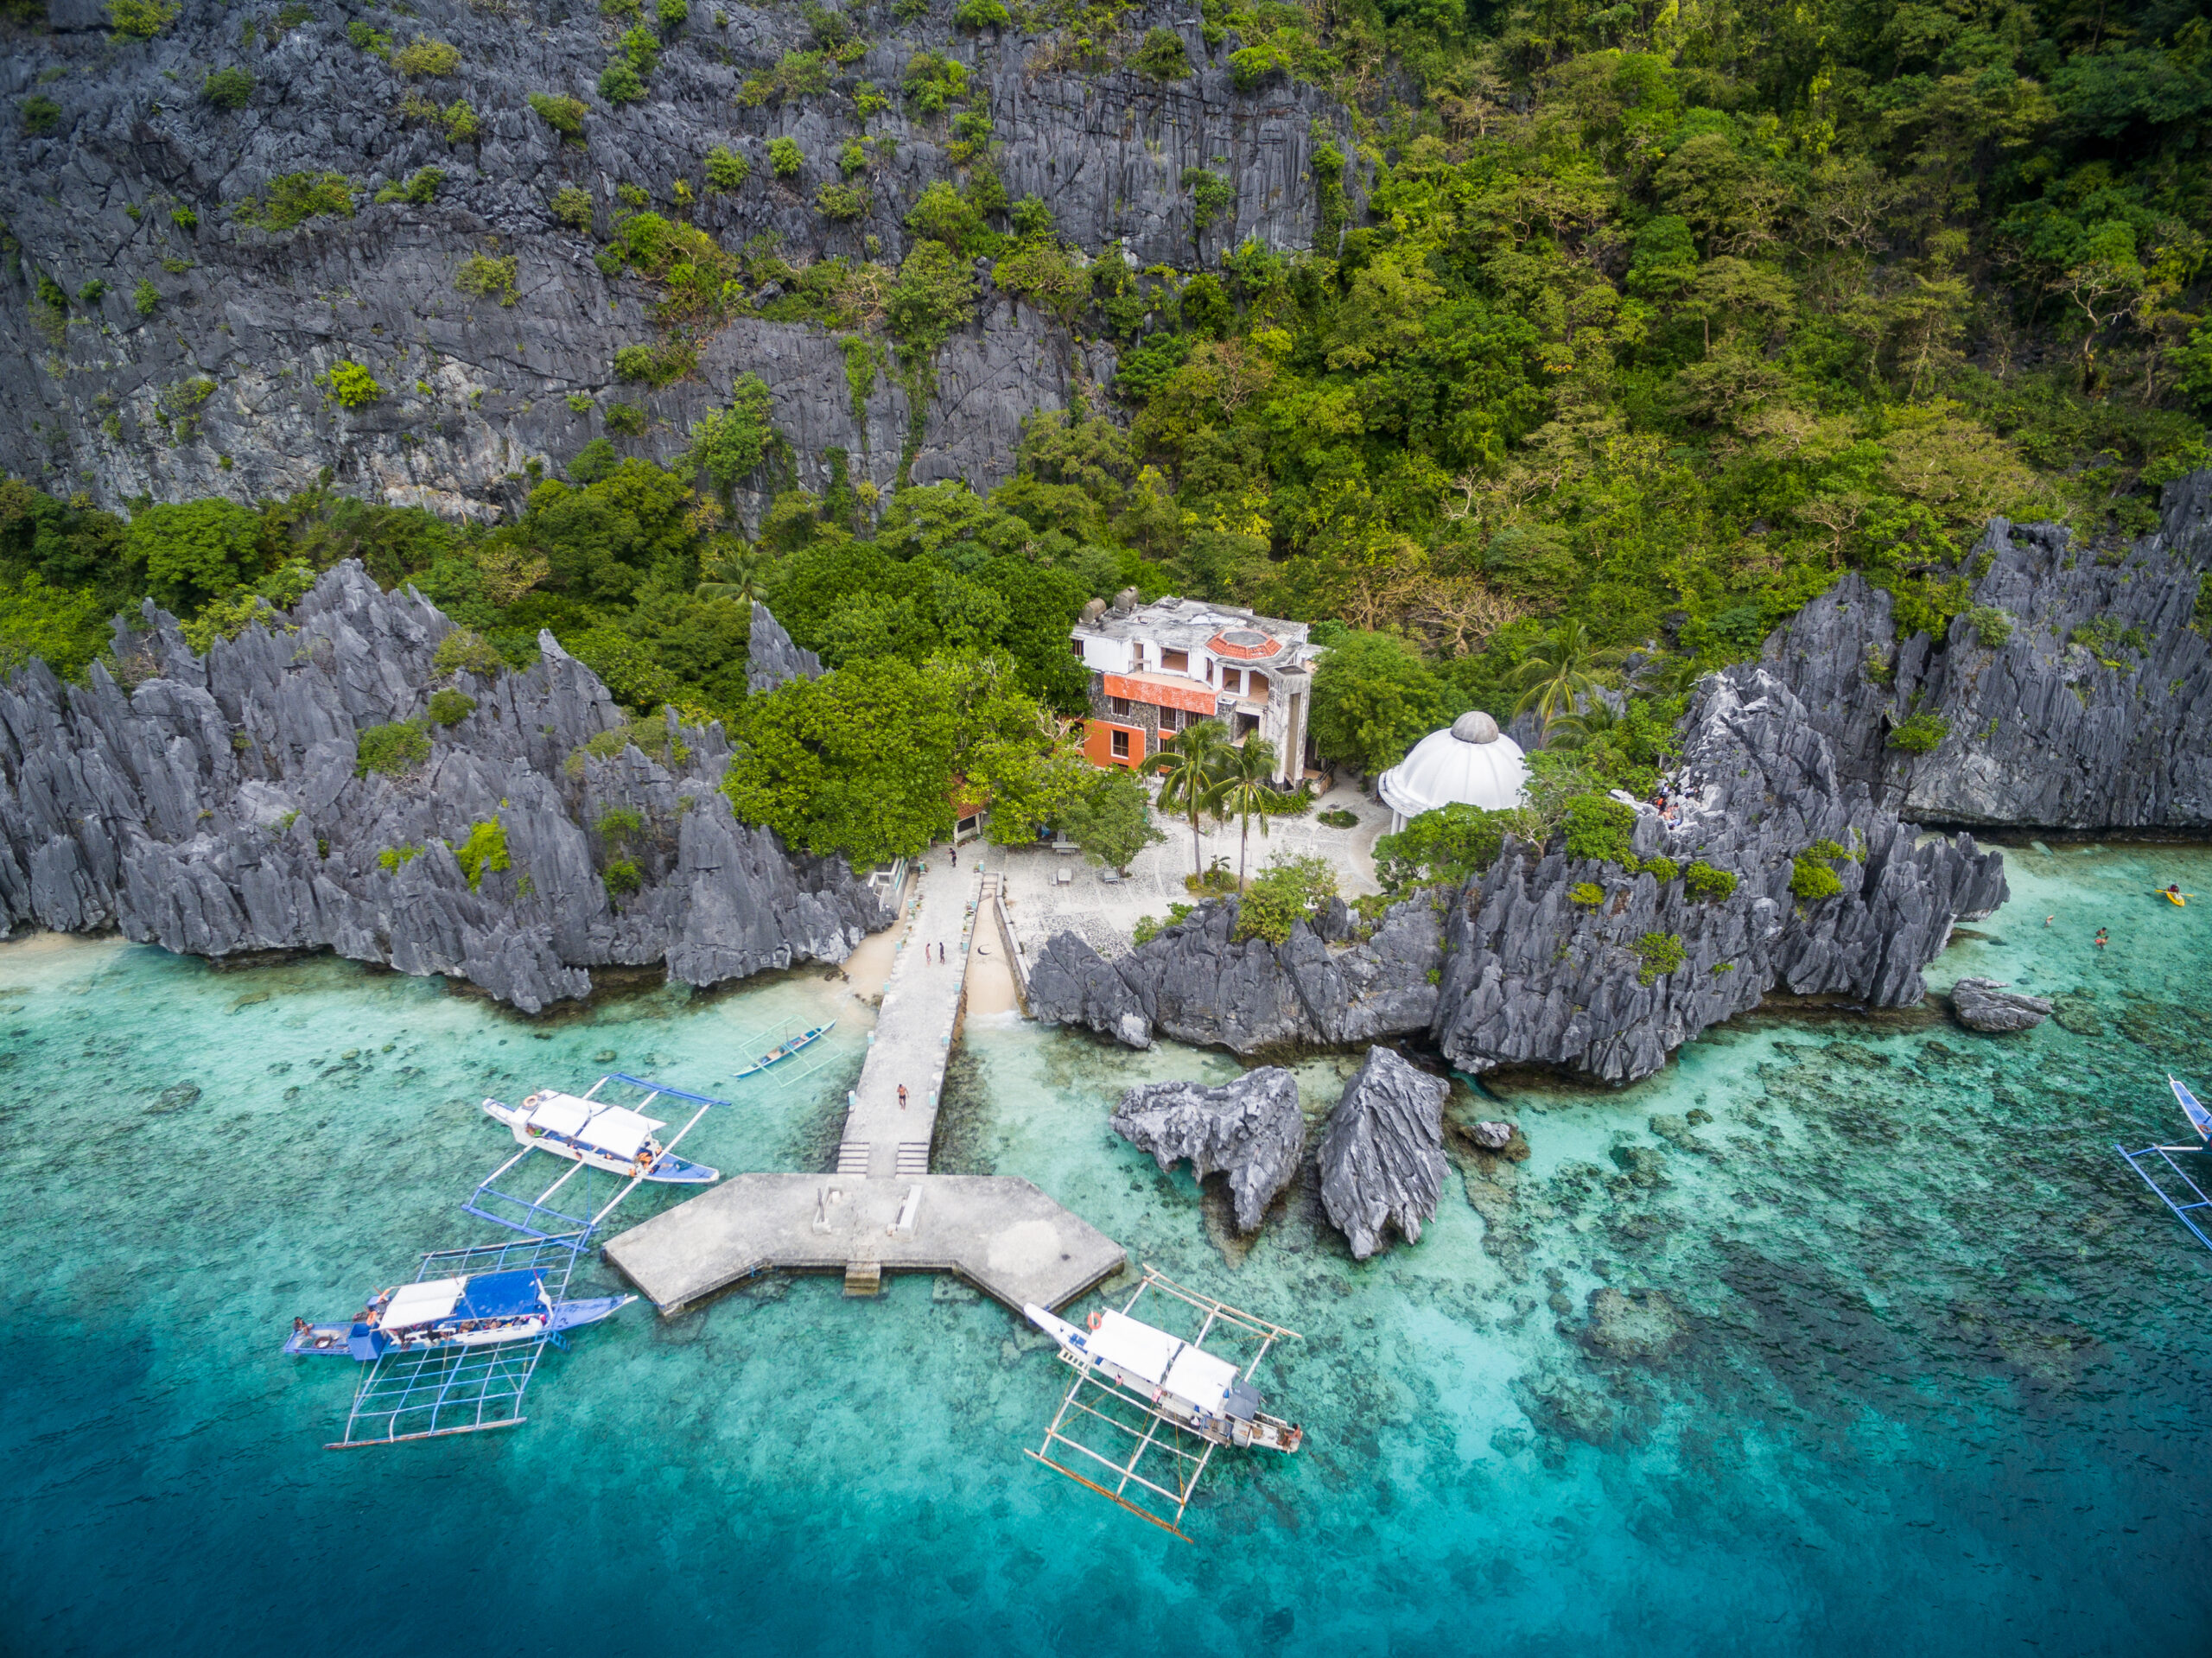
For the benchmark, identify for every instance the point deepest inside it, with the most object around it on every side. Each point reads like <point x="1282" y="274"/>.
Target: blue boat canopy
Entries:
<point x="500" y="1295"/>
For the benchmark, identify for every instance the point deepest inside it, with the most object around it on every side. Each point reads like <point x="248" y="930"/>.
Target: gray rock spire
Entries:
<point x="1383" y="1153"/>
<point x="1251" y="1130"/>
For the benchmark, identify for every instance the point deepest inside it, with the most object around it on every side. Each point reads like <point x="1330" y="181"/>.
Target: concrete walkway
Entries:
<point x="882" y="1209"/>
<point x="915" y="1028"/>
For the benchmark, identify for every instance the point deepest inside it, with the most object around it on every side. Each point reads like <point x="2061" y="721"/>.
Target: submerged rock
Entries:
<point x="220" y="806"/>
<point x="1986" y="1004"/>
<point x="1383" y="1153"/>
<point x="1634" y="1325"/>
<point x="1251" y="1130"/>
<point x="1492" y="1136"/>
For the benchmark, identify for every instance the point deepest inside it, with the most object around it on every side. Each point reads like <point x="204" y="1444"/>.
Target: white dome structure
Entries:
<point x="1472" y="763"/>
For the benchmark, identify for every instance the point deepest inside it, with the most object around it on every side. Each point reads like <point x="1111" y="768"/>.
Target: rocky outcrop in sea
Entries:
<point x="1251" y="1130"/>
<point x="1381" y="1158"/>
<point x="1599" y="966"/>
<point x="217" y="805"/>
<point x="1986" y="1004"/>
<point x="2077" y="693"/>
<point x="142" y="179"/>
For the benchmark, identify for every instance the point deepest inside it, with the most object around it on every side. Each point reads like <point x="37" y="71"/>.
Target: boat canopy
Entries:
<point x="1138" y="1348"/>
<point x="421" y="1304"/>
<point x="618" y="1131"/>
<point x="501" y="1295"/>
<point x="1200" y="1377"/>
<point x="559" y="1114"/>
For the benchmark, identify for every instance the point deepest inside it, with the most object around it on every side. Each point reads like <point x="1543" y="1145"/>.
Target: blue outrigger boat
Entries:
<point x="2172" y="1184"/>
<point x="484" y="1310"/>
<point x="784" y="1050"/>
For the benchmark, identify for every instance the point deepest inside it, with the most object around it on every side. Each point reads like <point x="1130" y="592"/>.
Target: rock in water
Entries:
<point x="221" y="804"/>
<point x="1382" y="1151"/>
<point x="770" y="658"/>
<point x="1492" y="1136"/>
<point x="1986" y="1004"/>
<point x="1251" y="1130"/>
<point x="1635" y="1326"/>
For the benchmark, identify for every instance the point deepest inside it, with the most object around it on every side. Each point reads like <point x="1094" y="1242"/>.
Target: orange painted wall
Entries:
<point x="1098" y="744"/>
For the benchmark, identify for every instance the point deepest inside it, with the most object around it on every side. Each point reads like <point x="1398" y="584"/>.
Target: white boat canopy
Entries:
<point x="559" y="1114"/>
<point x="618" y="1131"/>
<point x="421" y="1304"/>
<point x="1200" y="1377"/>
<point x="1138" y="1348"/>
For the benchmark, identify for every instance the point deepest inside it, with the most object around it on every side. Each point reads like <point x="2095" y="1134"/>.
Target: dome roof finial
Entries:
<point x="1475" y="726"/>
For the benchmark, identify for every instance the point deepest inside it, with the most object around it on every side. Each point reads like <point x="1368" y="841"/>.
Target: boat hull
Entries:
<point x="364" y="1343"/>
<point x="667" y="1169"/>
<point x="1265" y="1432"/>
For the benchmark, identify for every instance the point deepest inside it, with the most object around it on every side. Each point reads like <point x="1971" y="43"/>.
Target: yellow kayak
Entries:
<point x="2179" y="900"/>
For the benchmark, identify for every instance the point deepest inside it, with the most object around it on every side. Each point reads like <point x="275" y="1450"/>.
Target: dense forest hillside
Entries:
<point x="1503" y="342"/>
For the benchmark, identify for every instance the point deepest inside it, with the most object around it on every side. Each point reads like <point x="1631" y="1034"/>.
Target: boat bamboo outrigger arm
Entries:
<point x="2172" y="1185"/>
<point x="536" y="1217"/>
<point x="1118" y="1477"/>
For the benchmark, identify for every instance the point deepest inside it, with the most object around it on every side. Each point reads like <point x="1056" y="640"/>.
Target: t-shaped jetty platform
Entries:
<point x="882" y="1210"/>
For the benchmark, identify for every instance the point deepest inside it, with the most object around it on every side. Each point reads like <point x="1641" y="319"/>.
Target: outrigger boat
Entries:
<point x="598" y="1134"/>
<point x="485" y="1310"/>
<point x="2176" y="1188"/>
<point x="784" y="1050"/>
<point x="1148" y="1408"/>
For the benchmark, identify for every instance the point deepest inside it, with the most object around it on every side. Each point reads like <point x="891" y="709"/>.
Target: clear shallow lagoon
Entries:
<point x="1939" y="1386"/>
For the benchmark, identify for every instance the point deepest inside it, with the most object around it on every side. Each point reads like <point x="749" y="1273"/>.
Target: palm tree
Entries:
<point x="1562" y="672"/>
<point x="1189" y="767"/>
<point x="740" y="574"/>
<point x="1243" y="791"/>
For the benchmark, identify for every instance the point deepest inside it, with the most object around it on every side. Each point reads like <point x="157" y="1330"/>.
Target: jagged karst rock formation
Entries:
<point x="2112" y="729"/>
<point x="476" y="388"/>
<point x="213" y="809"/>
<point x="1250" y="1130"/>
<point x="1528" y="973"/>
<point x="1986" y="1004"/>
<point x="1382" y="1157"/>
<point x="771" y="657"/>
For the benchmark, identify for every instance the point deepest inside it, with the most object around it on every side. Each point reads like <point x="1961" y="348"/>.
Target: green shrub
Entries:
<point x="42" y="114"/>
<point x="295" y="198"/>
<point x="622" y="878"/>
<point x="618" y="823"/>
<point x="648" y="736"/>
<point x="228" y="89"/>
<point x="1702" y="879"/>
<point x="422" y="188"/>
<point x="674" y="14"/>
<point x="141" y="19"/>
<point x="482" y="277"/>
<point x="1662" y="870"/>
<point x="450" y="707"/>
<point x="1587" y="894"/>
<point x="459" y="121"/>
<point x="1991" y="625"/>
<point x="1661" y="953"/>
<point x="785" y="157"/>
<point x="580" y="403"/>
<point x="1281" y="895"/>
<point x="391" y="749"/>
<point x="565" y="115"/>
<point x="465" y="653"/>
<point x="1211" y="196"/>
<point x="1812" y="876"/>
<point x="146" y="298"/>
<point x="1599" y="827"/>
<point x="620" y="82"/>
<point x="352" y="385"/>
<point x="981" y="13"/>
<point x="934" y="82"/>
<point x="656" y="364"/>
<point x="1337" y="818"/>
<point x="841" y="202"/>
<point x="373" y="41"/>
<point x="184" y="219"/>
<point x="485" y="852"/>
<point x="92" y="292"/>
<point x="727" y="444"/>
<point x="1162" y="56"/>
<point x="625" y="419"/>
<point x="425" y="56"/>
<point x="392" y="857"/>
<point x="1919" y="735"/>
<point x="726" y="169"/>
<point x="572" y="207"/>
<point x="1448" y="844"/>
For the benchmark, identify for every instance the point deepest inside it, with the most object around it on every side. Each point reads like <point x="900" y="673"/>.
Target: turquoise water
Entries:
<point x="1933" y="1376"/>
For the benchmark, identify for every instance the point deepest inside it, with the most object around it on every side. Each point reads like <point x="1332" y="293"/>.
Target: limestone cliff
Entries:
<point x="1549" y="959"/>
<point x="477" y="389"/>
<point x="2078" y="697"/>
<point x="217" y="806"/>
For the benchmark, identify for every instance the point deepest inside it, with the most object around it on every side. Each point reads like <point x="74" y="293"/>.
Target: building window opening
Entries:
<point x="1246" y="725"/>
<point x="1118" y="745"/>
<point x="1175" y="662"/>
<point x="1119" y="704"/>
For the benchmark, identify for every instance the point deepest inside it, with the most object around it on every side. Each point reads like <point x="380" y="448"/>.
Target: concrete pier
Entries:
<point x="882" y="1210"/>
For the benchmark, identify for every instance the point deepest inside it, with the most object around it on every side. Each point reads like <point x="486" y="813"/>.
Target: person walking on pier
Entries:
<point x="902" y="1096"/>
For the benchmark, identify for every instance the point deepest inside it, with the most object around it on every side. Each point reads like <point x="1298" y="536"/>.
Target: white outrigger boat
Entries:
<point x="600" y="1134"/>
<point x="1148" y="1409"/>
<point x="485" y="1310"/>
